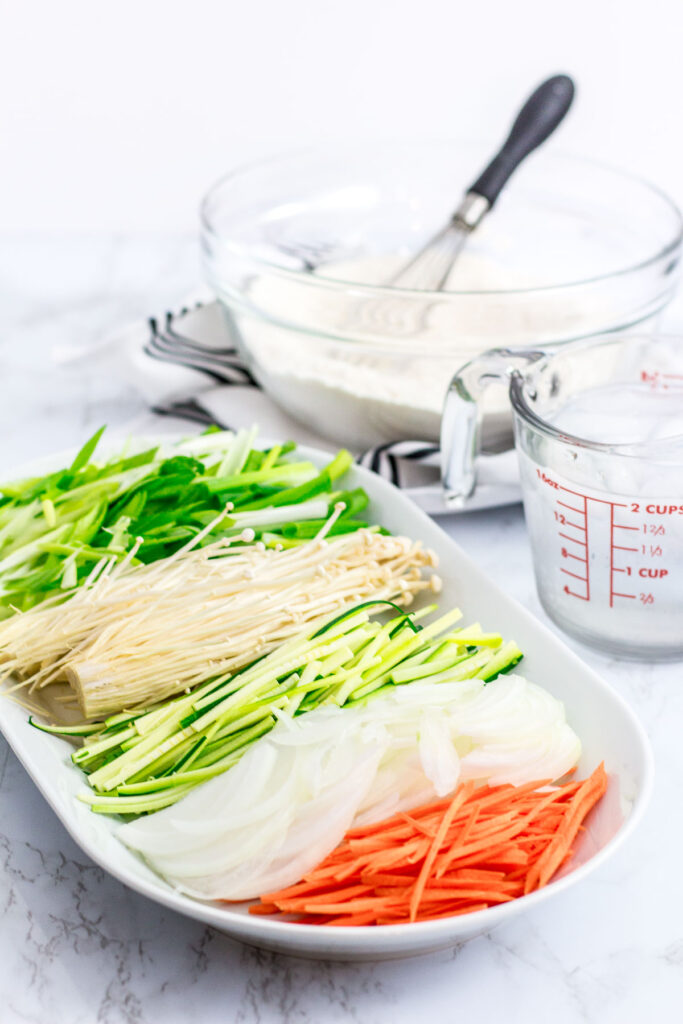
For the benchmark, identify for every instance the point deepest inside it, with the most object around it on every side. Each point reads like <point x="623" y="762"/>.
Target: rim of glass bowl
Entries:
<point x="518" y="400"/>
<point x="322" y="281"/>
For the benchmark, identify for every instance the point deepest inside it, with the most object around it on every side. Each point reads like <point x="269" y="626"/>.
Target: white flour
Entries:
<point x="377" y="370"/>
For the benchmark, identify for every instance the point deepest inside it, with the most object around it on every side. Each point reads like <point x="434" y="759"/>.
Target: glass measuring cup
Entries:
<point x="599" y="437"/>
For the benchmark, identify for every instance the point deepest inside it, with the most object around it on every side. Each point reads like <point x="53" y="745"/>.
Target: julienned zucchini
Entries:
<point x="503" y="661"/>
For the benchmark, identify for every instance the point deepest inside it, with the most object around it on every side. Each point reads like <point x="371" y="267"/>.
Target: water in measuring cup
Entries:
<point x="607" y="532"/>
<point x="623" y="414"/>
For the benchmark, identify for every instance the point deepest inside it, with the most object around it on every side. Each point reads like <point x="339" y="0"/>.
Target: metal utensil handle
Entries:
<point x="538" y="118"/>
<point x="462" y="416"/>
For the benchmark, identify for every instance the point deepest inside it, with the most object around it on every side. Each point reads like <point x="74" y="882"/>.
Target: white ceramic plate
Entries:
<point x="607" y="727"/>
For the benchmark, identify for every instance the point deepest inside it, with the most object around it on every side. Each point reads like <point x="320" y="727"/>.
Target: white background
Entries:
<point x="116" y="116"/>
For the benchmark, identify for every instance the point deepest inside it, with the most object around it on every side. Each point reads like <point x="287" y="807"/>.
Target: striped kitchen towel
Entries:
<point x="187" y="367"/>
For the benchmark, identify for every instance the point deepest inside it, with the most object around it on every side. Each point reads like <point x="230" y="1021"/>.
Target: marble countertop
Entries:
<point x="76" y="947"/>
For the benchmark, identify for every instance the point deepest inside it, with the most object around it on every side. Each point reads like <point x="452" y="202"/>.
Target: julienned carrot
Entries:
<point x="479" y="848"/>
<point x="554" y="854"/>
<point x="459" y="800"/>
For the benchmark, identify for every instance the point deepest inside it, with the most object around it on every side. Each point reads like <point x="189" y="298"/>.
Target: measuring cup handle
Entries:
<point x="462" y="416"/>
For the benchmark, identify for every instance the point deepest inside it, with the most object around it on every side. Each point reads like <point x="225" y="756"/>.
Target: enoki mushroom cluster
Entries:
<point x="136" y="634"/>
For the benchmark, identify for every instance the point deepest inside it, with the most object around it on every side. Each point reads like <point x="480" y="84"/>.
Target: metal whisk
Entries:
<point x="538" y="118"/>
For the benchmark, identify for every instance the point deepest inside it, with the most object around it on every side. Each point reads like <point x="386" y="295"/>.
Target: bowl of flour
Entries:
<point x="299" y="249"/>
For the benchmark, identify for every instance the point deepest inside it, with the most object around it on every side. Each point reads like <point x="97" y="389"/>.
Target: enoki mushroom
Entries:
<point x="136" y="634"/>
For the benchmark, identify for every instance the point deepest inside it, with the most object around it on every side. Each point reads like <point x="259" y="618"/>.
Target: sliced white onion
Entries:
<point x="288" y="802"/>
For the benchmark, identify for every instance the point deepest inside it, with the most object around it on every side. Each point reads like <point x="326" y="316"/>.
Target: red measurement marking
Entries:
<point x="588" y="579"/>
<point x="573" y="539"/>
<point x="568" y="573"/>
<point x="611" y="556"/>
<point x="584" y="577"/>
<point x="617" y="547"/>
<point x="574" y="526"/>
<point x="658" y="380"/>
<point x="586" y="499"/>
<point x="582" y="513"/>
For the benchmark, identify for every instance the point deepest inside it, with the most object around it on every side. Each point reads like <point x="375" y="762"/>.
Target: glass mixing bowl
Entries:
<point x="298" y="250"/>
